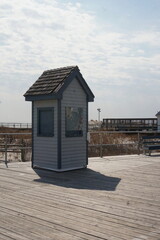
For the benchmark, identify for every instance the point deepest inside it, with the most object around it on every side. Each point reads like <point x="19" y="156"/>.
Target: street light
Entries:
<point x="99" y="111"/>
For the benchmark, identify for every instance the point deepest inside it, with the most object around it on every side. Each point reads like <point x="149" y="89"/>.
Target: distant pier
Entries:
<point x="130" y="124"/>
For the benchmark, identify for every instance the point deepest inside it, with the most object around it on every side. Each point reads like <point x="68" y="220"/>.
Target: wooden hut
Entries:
<point x="60" y="119"/>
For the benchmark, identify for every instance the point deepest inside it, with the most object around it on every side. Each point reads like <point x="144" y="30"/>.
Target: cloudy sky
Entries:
<point x="115" y="43"/>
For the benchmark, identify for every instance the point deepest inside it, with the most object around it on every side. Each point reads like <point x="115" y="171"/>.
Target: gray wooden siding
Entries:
<point x="74" y="148"/>
<point x="45" y="148"/>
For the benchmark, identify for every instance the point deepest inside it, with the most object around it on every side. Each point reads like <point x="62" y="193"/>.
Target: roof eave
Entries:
<point x="43" y="97"/>
<point x="91" y="99"/>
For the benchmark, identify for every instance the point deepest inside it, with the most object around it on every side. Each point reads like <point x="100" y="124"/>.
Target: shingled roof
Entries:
<point x="53" y="81"/>
<point x="50" y="81"/>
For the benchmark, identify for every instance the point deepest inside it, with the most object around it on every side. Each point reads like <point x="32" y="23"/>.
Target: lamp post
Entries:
<point x="99" y="111"/>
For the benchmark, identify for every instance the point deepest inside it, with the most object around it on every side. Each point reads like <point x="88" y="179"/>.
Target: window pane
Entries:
<point x="74" y="122"/>
<point x="46" y="122"/>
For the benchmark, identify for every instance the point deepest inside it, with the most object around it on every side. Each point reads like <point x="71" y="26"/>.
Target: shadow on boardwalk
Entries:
<point x="78" y="179"/>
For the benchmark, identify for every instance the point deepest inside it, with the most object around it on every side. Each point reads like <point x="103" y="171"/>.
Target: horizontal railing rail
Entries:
<point x="16" y="125"/>
<point x="116" y="132"/>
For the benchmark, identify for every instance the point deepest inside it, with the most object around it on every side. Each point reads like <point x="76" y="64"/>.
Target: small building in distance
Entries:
<point x="94" y="125"/>
<point x="60" y="119"/>
<point x="158" y="120"/>
<point x="129" y="124"/>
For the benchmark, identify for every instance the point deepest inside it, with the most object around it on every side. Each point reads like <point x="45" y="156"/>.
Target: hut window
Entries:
<point x="74" y="122"/>
<point x="45" y="126"/>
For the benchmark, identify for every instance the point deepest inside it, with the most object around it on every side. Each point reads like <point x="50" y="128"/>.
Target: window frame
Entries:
<point x="44" y="109"/>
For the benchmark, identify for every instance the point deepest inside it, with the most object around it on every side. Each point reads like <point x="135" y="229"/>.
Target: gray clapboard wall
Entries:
<point x="74" y="148"/>
<point x="45" y="148"/>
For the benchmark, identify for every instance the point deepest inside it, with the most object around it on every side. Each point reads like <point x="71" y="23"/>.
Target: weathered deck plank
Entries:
<point x="116" y="198"/>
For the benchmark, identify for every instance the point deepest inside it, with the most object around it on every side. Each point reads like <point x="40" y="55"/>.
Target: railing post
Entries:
<point x="6" y="151"/>
<point x="138" y="143"/>
<point x="22" y="151"/>
<point x="101" y="146"/>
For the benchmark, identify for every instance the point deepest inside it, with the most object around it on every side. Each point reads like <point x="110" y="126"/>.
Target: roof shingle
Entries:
<point x="50" y="81"/>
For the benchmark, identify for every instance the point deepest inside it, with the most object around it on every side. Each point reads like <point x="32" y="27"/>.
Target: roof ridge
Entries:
<point x="60" y="68"/>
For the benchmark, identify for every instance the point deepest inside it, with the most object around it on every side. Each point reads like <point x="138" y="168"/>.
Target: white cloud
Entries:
<point x="149" y="37"/>
<point x="46" y="32"/>
<point x="36" y="35"/>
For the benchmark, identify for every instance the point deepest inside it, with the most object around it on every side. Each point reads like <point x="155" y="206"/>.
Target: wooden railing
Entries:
<point x="104" y="143"/>
<point x="16" y="125"/>
<point x="8" y="144"/>
<point x="101" y="143"/>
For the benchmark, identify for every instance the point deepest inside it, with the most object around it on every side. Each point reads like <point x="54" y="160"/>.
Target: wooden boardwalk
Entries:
<point x="116" y="198"/>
